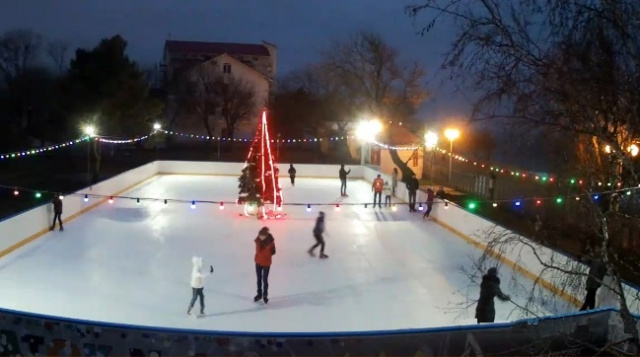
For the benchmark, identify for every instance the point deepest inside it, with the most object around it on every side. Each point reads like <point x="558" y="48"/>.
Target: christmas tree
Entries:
<point x="259" y="187"/>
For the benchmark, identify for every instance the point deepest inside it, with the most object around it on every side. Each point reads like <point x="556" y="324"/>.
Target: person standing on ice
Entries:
<point x="57" y="212"/>
<point x="265" y="249"/>
<point x="597" y="271"/>
<point x="394" y="181"/>
<point x="489" y="289"/>
<point x="343" y="180"/>
<point x="197" y="284"/>
<point x="292" y="174"/>
<point x="412" y="186"/>
<point x="387" y="194"/>
<point x="376" y="187"/>
<point x="318" y="230"/>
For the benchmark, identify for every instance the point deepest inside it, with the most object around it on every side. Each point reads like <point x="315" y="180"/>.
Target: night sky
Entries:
<point x="300" y="29"/>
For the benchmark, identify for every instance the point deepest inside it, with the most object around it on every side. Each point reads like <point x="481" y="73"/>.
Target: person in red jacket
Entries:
<point x="265" y="249"/>
<point x="376" y="187"/>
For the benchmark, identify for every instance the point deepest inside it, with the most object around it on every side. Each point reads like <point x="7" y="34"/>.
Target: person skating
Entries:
<point x="489" y="289"/>
<point x="412" y="187"/>
<point x="265" y="249"/>
<point x="430" y="196"/>
<point x="318" y="231"/>
<point x="292" y="174"/>
<point x="57" y="212"/>
<point x="597" y="271"/>
<point x="387" y="190"/>
<point x="197" y="284"/>
<point x="343" y="180"/>
<point x="376" y="187"/>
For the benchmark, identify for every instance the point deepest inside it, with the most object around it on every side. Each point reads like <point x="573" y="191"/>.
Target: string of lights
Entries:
<point x="471" y="205"/>
<point x="32" y="152"/>
<point x="219" y="138"/>
<point x="125" y="141"/>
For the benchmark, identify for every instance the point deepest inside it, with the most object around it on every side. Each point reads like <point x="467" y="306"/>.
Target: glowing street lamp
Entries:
<point x="451" y="134"/>
<point x="633" y="150"/>
<point x="430" y="140"/>
<point x="157" y="126"/>
<point x="366" y="132"/>
<point x="90" y="130"/>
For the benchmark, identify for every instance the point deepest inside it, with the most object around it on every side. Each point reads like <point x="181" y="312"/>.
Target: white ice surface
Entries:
<point x="129" y="263"/>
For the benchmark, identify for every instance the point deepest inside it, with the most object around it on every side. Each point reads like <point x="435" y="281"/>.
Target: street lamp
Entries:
<point x="451" y="134"/>
<point x="90" y="131"/>
<point x="430" y="142"/>
<point x="633" y="150"/>
<point x="366" y="132"/>
<point x="157" y="126"/>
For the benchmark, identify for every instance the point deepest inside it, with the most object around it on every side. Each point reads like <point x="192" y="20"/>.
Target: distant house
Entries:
<point x="254" y="64"/>
<point x="408" y="147"/>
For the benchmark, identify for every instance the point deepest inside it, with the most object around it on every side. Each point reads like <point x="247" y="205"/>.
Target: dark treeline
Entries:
<point x="48" y="92"/>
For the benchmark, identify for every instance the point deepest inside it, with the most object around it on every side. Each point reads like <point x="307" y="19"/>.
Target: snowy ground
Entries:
<point x="130" y="263"/>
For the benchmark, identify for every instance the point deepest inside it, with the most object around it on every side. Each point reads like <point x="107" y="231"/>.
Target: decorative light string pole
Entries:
<point x="430" y="143"/>
<point x="451" y="134"/>
<point x="366" y="132"/>
<point x="90" y="131"/>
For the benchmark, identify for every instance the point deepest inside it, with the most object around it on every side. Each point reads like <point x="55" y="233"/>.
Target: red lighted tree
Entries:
<point x="259" y="186"/>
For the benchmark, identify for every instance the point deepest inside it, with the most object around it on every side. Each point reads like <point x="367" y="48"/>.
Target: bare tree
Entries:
<point x="567" y="66"/>
<point x="236" y="99"/>
<point x="19" y="49"/>
<point x="204" y="101"/>
<point x="58" y="52"/>
<point x="369" y="72"/>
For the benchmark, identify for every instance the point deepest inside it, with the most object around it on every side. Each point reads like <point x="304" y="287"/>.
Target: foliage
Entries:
<point x="108" y="85"/>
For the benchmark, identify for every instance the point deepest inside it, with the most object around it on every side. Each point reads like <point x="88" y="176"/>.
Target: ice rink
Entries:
<point x="131" y="263"/>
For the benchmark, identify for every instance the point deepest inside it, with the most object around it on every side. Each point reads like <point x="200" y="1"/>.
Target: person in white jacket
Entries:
<point x="197" y="283"/>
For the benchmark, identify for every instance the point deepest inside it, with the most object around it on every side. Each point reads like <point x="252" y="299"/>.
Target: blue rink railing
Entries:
<point x="576" y="334"/>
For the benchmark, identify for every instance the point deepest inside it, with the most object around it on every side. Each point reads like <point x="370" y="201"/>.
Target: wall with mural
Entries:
<point x="23" y="335"/>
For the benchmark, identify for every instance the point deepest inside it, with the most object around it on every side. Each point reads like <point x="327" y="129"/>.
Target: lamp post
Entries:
<point x="451" y="134"/>
<point x="366" y="133"/>
<point x="90" y="131"/>
<point x="156" y="128"/>
<point x="430" y="143"/>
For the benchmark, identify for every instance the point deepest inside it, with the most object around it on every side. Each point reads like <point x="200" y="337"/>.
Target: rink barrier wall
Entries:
<point x="234" y="169"/>
<point x="525" y="258"/>
<point x="24" y="228"/>
<point x="33" y="334"/>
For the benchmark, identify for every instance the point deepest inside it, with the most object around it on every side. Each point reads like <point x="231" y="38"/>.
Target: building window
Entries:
<point x="226" y="68"/>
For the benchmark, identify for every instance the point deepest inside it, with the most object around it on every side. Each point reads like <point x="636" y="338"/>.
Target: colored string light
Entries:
<point x="219" y="138"/>
<point x="31" y="152"/>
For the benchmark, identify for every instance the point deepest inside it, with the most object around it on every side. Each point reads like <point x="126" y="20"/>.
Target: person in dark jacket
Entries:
<point x="489" y="289"/>
<point x="412" y="186"/>
<point x="343" y="180"/>
<point x="318" y="230"/>
<point x="430" y="196"/>
<point x="597" y="271"/>
<point x="292" y="174"/>
<point x="57" y="212"/>
<point x="265" y="249"/>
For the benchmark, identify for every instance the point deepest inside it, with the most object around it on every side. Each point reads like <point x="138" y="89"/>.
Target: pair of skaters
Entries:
<point x="265" y="249"/>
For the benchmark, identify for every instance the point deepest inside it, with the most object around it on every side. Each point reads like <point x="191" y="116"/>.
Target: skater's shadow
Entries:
<point x="313" y="298"/>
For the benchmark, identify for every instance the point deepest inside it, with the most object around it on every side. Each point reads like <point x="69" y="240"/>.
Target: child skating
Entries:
<point x="197" y="284"/>
<point x="387" y="191"/>
<point x="318" y="230"/>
